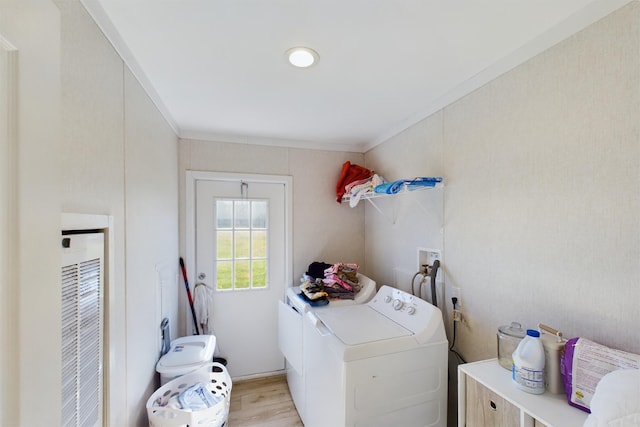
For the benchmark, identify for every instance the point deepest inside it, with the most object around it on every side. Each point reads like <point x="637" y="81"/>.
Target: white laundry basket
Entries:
<point x="218" y="382"/>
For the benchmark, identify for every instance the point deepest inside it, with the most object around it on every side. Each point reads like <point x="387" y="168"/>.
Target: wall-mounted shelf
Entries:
<point x="406" y="189"/>
<point x="371" y="197"/>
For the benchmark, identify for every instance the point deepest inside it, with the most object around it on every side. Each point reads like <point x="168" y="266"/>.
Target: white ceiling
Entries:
<point x="217" y="69"/>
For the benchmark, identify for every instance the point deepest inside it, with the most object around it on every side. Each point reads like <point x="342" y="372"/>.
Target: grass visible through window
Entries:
<point x="241" y="244"/>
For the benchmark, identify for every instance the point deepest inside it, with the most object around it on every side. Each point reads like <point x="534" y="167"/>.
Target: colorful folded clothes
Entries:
<point x="340" y="282"/>
<point x="316" y="269"/>
<point x="350" y="173"/>
<point x="313" y="289"/>
<point x="357" y="189"/>
<point x="410" y="184"/>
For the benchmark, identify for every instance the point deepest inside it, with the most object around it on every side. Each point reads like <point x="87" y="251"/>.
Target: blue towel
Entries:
<point x="411" y="184"/>
<point x="383" y="188"/>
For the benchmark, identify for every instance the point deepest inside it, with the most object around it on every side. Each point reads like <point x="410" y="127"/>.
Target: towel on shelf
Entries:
<point x="357" y="189"/>
<point x="350" y="172"/>
<point x="411" y="184"/>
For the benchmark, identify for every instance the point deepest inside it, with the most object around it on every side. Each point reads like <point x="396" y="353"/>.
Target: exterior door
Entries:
<point x="241" y="256"/>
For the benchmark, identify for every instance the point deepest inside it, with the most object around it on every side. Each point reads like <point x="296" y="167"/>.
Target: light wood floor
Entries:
<point x="264" y="402"/>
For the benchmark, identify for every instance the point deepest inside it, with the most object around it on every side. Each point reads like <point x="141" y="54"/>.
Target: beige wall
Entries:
<point x="323" y="230"/>
<point x="542" y="195"/>
<point x="29" y="344"/>
<point x="122" y="162"/>
<point x="93" y="167"/>
<point x="151" y="244"/>
<point x="90" y="141"/>
<point x="542" y="209"/>
<point x="407" y="221"/>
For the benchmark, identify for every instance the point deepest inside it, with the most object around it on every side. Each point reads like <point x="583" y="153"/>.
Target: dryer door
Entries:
<point x="290" y="335"/>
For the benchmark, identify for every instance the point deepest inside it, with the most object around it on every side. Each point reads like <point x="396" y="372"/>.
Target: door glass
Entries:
<point x="241" y="244"/>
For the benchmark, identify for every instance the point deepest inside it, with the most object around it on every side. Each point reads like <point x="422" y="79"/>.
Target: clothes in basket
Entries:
<point x="166" y="407"/>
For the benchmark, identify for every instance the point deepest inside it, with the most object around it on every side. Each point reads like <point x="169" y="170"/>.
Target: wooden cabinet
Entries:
<point x="486" y="408"/>
<point x="487" y="397"/>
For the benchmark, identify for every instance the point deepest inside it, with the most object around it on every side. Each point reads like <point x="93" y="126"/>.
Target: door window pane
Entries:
<point x="241" y="244"/>
<point x="224" y="213"/>
<point x="224" y="274"/>
<point x="224" y="244"/>
<point x="241" y="214"/>
<point x="259" y="244"/>
<point x="259" y="214"/>
<point x="243" y="276"/>
<point x="259" y="273"/>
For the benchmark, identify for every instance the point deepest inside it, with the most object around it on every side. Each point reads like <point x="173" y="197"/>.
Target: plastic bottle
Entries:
<point x="528" y="364"/>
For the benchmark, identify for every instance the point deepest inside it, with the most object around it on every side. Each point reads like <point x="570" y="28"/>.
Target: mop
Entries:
<point x="186" y="285"/>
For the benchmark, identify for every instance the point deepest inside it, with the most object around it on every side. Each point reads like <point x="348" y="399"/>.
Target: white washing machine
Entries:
<point x="291" y="341"/>
<point x="383" y="363"/>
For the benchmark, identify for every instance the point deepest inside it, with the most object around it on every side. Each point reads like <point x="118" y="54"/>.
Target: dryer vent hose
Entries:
<point x="433" y="274"/>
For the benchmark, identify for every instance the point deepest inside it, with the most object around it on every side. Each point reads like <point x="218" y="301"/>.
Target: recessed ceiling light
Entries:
<point x="302" y="57"/>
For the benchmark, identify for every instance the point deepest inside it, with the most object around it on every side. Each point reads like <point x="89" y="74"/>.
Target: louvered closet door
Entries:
<point x="82" y="329"/>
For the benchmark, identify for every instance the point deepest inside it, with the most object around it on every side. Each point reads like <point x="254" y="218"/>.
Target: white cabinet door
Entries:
<point x="290" y="335"/>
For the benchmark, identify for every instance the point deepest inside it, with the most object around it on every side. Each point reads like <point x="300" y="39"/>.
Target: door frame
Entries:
<point x="192" y="177"/>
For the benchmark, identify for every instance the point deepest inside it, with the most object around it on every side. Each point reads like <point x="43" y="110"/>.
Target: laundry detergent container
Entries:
<point x="185" y="355"/>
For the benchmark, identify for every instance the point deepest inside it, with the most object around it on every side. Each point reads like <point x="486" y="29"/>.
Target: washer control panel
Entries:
<point x="401" y="301"/>
<point x="408" y="310"/>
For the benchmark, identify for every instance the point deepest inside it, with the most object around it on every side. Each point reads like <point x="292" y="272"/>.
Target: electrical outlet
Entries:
<point x="457" y="315"/>
<point x="457" y="293"/>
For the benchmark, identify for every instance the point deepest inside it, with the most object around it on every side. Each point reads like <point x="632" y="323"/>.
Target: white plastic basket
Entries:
<point x="218" y="383"/>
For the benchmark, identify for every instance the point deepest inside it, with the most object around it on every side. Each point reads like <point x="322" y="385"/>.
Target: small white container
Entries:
<point x="186" y="355"/>
<point x="528" y="364"/>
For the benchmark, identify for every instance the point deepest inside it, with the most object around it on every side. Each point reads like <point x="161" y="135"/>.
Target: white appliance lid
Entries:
<point x="186" y="352"/>
<point x="184" y="355"/>
<point x="360" y="324"/>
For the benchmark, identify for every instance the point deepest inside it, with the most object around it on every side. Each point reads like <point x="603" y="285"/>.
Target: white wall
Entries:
<point x="90" y="141"/>
<point x="323" y="230"/>
<point x="542" y="208"/>
<point x="542" y="194"/>
<point x="30" y="346"/>
<point x="122" y="161"/>
<point x="408" y="221"/>
<point x="151" y="245"/>
<point x="92" y="168"/>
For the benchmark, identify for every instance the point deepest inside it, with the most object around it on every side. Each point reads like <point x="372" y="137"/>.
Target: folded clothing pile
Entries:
<point x="350" y="173"/>
<point x="338" y="281"/>
<point x="357" y="189"/>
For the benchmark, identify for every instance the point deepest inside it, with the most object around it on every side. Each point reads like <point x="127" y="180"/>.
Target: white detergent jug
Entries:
<point x="528" y="364"/>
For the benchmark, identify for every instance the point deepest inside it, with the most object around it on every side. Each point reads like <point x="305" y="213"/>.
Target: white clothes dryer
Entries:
<point x="290" y="335"/>
<point x="383" y="363"/>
